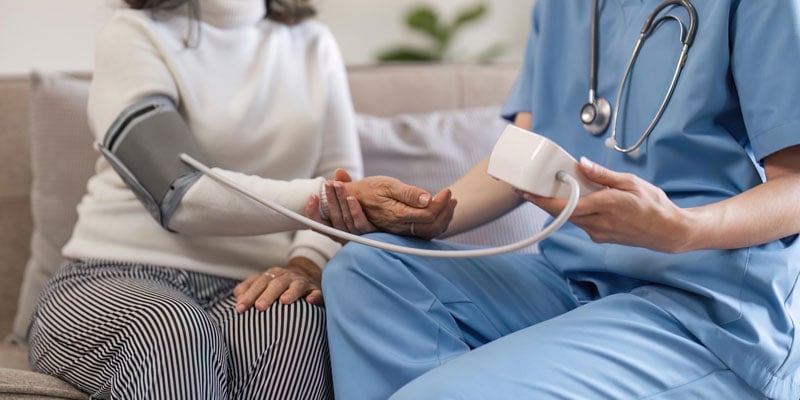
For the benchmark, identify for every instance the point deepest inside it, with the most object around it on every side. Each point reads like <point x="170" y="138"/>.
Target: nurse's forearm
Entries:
<point x="482" y="198"/>
<point x="763" y="214"/>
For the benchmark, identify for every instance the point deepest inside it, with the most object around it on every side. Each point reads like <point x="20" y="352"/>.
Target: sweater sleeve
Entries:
<point x="341" y="146"/>
<point x="127" y="68"/>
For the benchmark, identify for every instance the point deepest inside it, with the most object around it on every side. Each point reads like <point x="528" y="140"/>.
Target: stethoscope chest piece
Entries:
<point x="596" y="115"/>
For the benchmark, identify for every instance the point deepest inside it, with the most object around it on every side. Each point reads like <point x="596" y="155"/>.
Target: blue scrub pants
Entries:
<point x="503" y="327"/>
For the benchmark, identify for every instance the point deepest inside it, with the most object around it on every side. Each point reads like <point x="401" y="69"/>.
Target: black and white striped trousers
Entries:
<point x="124" y="331"/>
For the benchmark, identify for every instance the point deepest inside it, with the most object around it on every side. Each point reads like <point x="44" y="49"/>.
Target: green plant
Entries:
<point x="425" y="20"/>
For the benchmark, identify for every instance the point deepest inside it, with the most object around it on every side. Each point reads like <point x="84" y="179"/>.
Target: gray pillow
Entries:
<point x="432" y="150"/>
<point x="62" y="157"/>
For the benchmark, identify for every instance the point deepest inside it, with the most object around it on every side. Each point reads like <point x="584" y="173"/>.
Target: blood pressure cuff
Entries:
<point x="143" y="145"/>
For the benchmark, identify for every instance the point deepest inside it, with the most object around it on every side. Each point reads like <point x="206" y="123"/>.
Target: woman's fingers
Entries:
<point x="312" y="211"/>
<point x="360" y="219"/>
<point x="277" y="286"/>
<point x="315" y="297"/>
<point x="344" y="207"/>
<point x="244" y="285"/>
<point x="247" y="299"/>
<point x="277" y="283"/>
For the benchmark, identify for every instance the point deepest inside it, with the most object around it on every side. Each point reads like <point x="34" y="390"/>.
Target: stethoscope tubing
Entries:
<point x="661" y="108"/>
<point x="687" y="36"/>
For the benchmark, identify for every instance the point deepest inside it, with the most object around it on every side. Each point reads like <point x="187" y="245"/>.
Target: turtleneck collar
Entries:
<point x="232" y="13"/>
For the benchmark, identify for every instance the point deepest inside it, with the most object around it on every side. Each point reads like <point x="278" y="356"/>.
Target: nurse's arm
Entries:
<point x="762" y="214"/>
<point x="633" y="212"/>
<point x="481" y="198"/>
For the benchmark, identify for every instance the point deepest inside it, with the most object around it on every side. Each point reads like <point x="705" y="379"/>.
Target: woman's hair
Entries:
<point x="287" y="11"/>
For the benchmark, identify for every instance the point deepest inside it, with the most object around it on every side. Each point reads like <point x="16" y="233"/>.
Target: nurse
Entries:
<point x="675" y="282"/>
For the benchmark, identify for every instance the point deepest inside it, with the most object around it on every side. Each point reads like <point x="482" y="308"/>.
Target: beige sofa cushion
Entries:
<point x="62" y="159"/>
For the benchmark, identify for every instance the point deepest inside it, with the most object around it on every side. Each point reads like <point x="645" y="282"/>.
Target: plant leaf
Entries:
<point x="425" y="20"/>
<point x="468" y="15"/>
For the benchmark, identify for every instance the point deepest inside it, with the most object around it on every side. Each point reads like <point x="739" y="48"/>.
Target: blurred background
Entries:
<point x="58" y="35"/>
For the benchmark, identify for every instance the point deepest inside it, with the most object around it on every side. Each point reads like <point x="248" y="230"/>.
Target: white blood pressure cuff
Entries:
<point x="144" y="145"/>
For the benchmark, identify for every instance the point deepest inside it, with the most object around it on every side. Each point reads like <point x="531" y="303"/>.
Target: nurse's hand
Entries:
<point x="300" y="278"/>
<point x="631" y="211"/>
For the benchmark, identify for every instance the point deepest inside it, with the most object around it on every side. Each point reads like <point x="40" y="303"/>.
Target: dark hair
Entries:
<point x="287" y="11"/>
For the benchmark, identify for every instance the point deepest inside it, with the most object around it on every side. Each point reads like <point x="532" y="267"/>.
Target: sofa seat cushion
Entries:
<point x="14" y="356"/>
<point x="18" y="382"/>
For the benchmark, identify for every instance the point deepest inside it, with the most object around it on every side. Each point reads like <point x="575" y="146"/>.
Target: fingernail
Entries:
<point x="240" y="308"/>
<point x="424" y="199"/>
<point x="587" y="163"/>
<point x="261" y="306"/>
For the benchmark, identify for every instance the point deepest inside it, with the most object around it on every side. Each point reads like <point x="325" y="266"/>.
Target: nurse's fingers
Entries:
<point x="341" y="175"/>
<point x="606" y="177"/>
<point x="587" y="205"/>
<point x="438" y="226"/>
<point x="551" y="205"/>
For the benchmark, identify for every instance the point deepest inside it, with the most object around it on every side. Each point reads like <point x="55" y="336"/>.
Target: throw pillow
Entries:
<point x="432" y="150"/>
<point x="62" y="160"/>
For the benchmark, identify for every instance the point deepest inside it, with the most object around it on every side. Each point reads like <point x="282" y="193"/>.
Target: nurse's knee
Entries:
<point x="424" y="388"/>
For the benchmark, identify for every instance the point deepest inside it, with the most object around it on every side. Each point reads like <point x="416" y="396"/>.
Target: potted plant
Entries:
<point x="425" y="20"/>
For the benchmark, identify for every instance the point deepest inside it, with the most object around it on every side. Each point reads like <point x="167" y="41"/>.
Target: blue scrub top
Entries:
<point x="735" y="103"/>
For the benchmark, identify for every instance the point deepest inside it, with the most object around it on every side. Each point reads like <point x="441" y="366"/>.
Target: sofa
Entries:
<point x="423" y="123"/>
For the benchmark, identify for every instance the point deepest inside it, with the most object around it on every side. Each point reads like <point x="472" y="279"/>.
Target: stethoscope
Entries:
<point x="597" y="114"/>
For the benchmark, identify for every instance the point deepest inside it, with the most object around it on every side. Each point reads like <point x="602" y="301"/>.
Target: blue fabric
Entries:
<point x="732" y="106"/>
<point x="736" y="92"/>
<point x="502" y="327"/>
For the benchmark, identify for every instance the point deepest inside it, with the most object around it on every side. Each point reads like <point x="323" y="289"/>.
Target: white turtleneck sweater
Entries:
<point x="268" y="104"/>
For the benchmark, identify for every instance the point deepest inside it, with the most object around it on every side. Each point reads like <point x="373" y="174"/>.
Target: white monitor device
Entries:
<point x="530" y="162"/>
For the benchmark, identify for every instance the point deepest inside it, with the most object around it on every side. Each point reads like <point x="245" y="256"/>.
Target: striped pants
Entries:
<point x="125" y="331"/>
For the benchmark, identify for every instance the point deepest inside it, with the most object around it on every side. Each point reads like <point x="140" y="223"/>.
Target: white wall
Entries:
<point x="363" y="27"/>
<point x="59" y="34"/>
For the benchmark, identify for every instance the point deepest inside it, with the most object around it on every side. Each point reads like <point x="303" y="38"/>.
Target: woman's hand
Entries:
<point x="631" y="211"/>
<point x="383" y="203"/>
<point x="300" y="278"/>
